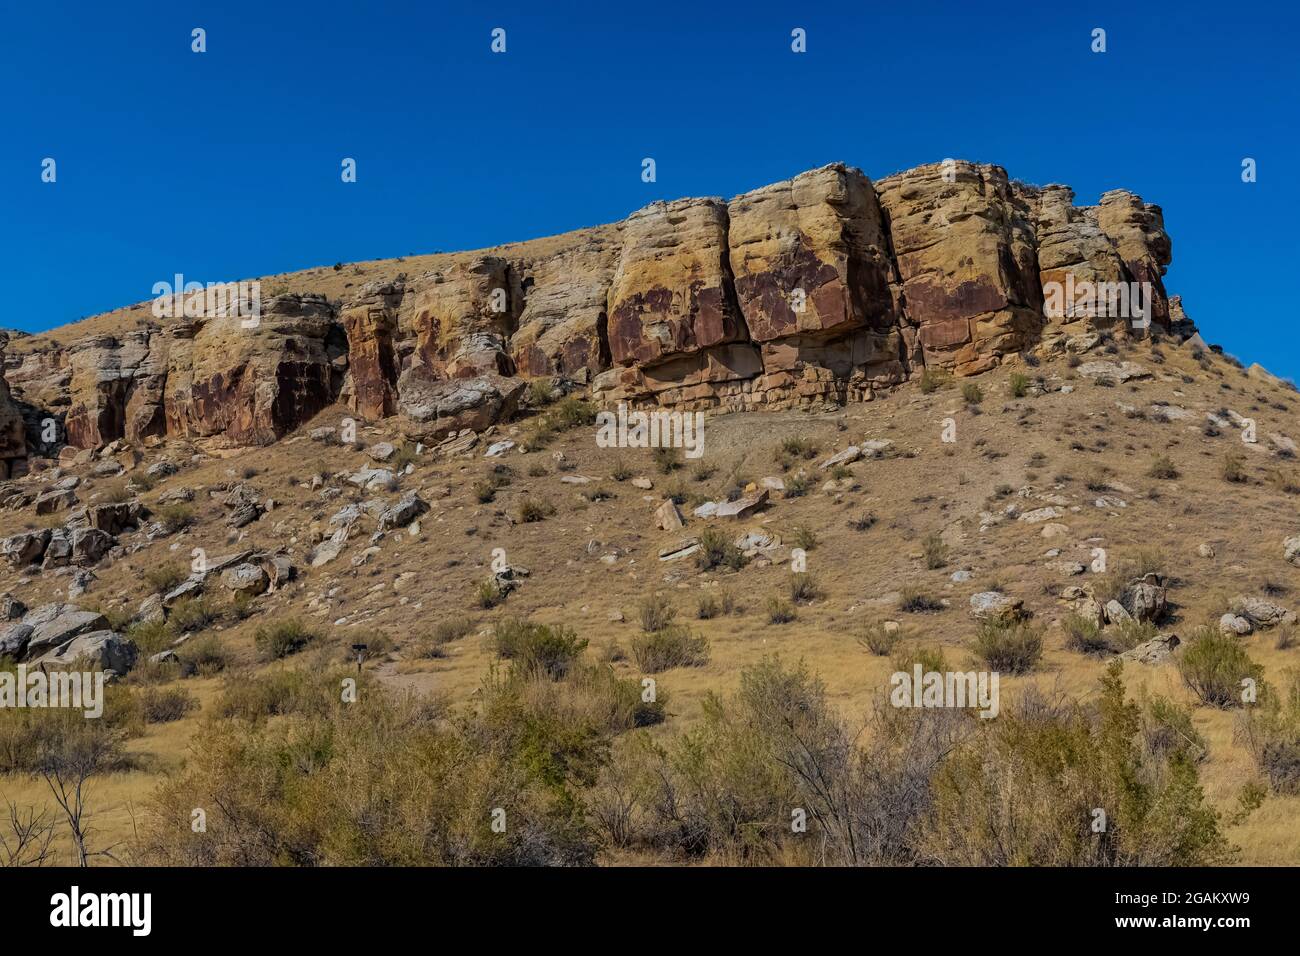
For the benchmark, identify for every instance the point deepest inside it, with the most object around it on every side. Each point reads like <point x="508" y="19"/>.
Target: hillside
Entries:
<point x="964" y="473"/>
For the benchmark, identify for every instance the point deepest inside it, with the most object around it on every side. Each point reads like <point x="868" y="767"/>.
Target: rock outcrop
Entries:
<point x="821" y="288"/>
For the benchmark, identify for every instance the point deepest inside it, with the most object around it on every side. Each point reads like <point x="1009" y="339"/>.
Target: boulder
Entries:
<point x="432" y="408"/>
<point x="245" y="579"/>
<point x="996" y="606"/>
<point x="25" y="548"/>
<point x="1155" y="651"/>
<point x="1261" y="613"/>
<point x="744" y="506"/>
<point x="55" y="624"/>
<point x="403" y="512"/>
<point x="101" y="649"/>
<point x="1233" y="624"/>
<point x="667" y="517"/>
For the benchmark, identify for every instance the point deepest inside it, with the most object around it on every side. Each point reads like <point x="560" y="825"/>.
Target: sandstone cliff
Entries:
<point x="824" y="287"/>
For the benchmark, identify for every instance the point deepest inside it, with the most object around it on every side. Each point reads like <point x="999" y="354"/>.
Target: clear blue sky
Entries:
<point x="226" y="164"/>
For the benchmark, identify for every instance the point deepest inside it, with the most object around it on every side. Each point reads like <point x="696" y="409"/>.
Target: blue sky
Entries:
<point x="226" y="164"/>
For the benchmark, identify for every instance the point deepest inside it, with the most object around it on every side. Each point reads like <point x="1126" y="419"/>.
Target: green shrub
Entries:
<point x="192" y="614"/>
<point x="656" y="613"/>
<point x="277" y="641"/>
<point x="934" y="551"/>
<point x="779" y="611"/>
<point x="972" y="393"/>
<point x="534" y="509"/>
<point x="175" y="517"/>
<point x="671" y="646"/>
<point x="1018" y="385"/>
<point x="804" y="588"/>
<point x="536" y="650"/>
<point x="1163" y="468"/>
<point x="718" y="551"/>
<point x="934" y="379"/>
<point x="1084" y="635"/>
<point x="164" y="577"/>
<point x="204" y="655"/>
<point x="914" y="601"/>
<point x="879" y="640"/>
<point x="165" y="704"/>
<point x="1012" y="648"/>
<point x="1214" y="667"/>
<point x="1271" y="733"/>
<point x="1234" y="469"/>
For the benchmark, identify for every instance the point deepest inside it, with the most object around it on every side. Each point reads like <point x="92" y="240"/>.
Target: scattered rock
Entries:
<point x="245" y="579"/>
<point x="667" y="517"/>
<point x="743" y="506"/>
<point x="1233" y="624"/>
<point x="996" y="606"/>
<point x="1154" y="651"/>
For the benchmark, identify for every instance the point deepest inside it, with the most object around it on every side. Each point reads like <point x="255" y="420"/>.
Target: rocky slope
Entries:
<point x="822" y="288"/>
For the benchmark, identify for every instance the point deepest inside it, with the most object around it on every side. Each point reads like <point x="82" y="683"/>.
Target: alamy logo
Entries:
<point x="651" y="430"/>
<point x="194" y="300"/>
<point x="103" y="909"/>
<point x="1094" y="300"/>
<point x="946" y="689"/>
<point x="79" y="690"/>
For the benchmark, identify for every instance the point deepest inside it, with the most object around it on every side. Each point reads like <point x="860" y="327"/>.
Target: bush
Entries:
<point x="672" y="646"/>
<point x="915" y="601"/>
<point x="204" y="655"/>
<point x="931" y="660"/>
<point x="489" y="594"/>
<point x="1234" y="469"/>
<point x="1020" y="791"/>
<point x="192" y="614"/>
<point x="150" y="637"/>
<point x="666" y="460"/>
<point x="880" y="641"/>
<point x="1271" y="732"/>
<point x="533" y="509"/>
<point x="175" y="517"/>
<point x="710" y="606"/>
<point x="934" y="551"/>
<point x="1214" y="665"/>
<point x="1012" y="648"/>
<point x="779" y="611"/>
<point x="164" y="704"/>
<point x="164" y="577"/>
<point x="1084" y="635"/>
<point x="802" y="536"/>
<point x="932" y="380"/>
<point x="803" y="588"/>
<point x="972" y="393"/>
<point x="1163" y="468"/>
<point x="718" y="551"/>
<point x="537" y="650"/>
<point x="1018" y="385"/>
<point x="656" y="613"/>
<point x="277" y="641"/>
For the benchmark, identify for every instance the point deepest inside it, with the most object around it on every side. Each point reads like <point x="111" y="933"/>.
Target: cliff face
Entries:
<point x="824" y="287"/>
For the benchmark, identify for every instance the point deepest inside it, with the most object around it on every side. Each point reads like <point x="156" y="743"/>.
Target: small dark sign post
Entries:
<point x="361" y="654"/>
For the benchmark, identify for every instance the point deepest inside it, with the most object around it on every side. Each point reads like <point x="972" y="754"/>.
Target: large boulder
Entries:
<point x="103" y="650"/>
<point x="26" y="547"/>
<point x="433" y="408"/>
<point x="53" y="625"/>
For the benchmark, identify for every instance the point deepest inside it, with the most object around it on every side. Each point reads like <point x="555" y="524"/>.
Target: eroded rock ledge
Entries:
<point x="824" y="287"/>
